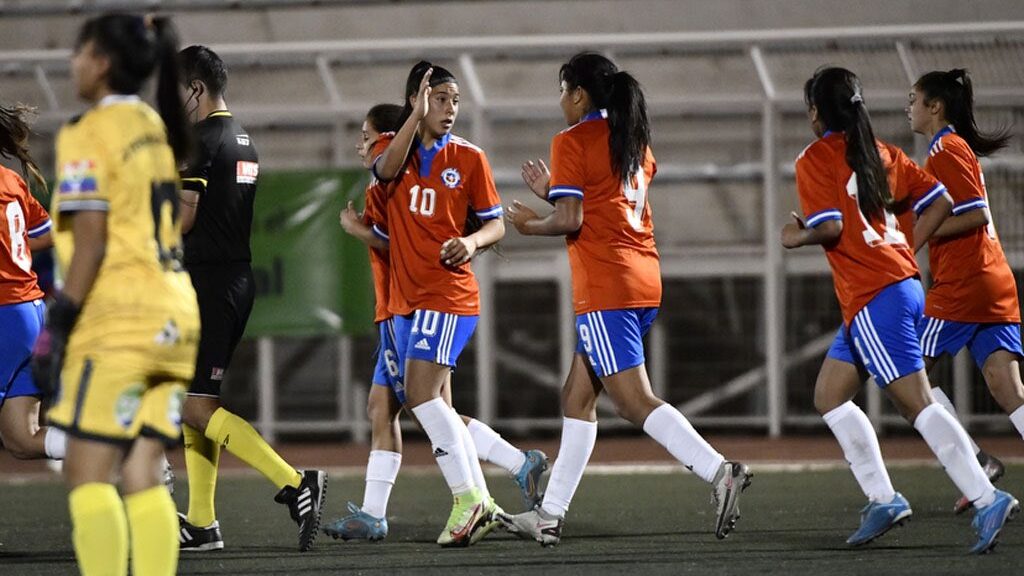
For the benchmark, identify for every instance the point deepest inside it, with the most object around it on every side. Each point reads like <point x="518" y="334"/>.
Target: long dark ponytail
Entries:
<point x="836" y="94"/>
<point x="136" y="46"/>
<point x="955" y="91"/>
<point x="621" y="95"/>
<point x="14" y="134"/>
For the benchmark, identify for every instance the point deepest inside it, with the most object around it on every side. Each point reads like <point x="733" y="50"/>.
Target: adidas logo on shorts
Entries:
<point x="423" y="344"/>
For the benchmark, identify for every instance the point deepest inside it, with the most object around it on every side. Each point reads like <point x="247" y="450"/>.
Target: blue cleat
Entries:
<point x="358" y="526"/>
<point x="528" y="478"/>
<point x="877" y="519"/>
<point x="988" y="521"/>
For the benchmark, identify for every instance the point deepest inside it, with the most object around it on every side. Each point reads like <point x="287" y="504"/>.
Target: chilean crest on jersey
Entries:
<point x="451" y="177"/>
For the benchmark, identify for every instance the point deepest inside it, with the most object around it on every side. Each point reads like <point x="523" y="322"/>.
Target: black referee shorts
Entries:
<point x="225" y="293"/>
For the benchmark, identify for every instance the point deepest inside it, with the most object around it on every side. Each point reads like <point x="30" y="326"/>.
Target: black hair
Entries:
<point x="385" y="117"/>
<point x="955" y="91"/>
<point x="412" y="84"/>
<point x="136" y="46"/>
<point x="14" y="134"/>
<point x="200" y="63"/>
<point x="622" y="96"/>
<point x="836" y="94"/>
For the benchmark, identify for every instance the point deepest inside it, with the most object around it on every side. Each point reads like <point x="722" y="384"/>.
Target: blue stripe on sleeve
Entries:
<point x="936" y="191"/>
<point x="823" y="216"/>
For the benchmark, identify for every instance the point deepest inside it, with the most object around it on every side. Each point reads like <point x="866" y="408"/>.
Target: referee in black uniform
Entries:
<point x="218" y="190"/>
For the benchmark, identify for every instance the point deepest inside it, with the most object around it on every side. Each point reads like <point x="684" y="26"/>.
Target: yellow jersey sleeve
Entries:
<point x="83" y="173"/>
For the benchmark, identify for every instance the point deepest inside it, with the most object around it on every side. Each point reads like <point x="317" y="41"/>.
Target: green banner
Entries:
<point x="312" y="279"/>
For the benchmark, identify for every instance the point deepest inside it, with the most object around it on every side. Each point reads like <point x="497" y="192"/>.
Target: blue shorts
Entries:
<point x="940" y="337"/>
<point x="21" y="324"/>
<point x="613" y="340"/>
<point x="432" y="336"/>
<point x="387" y="372"/>
<point x="883" y="336"/>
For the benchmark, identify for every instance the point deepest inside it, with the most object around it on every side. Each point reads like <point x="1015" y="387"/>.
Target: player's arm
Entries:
<point x="389" y="164"/>
<point x="796" y="234"/>
<point x="566" y="218"/>
<point x="354" y="226"/>
<point x="956" y="225"/>
<point x="188" y="204"/>
<point x="41" y="242"/>
<point x="930" y="219"/>
<point x="89" y="230"/>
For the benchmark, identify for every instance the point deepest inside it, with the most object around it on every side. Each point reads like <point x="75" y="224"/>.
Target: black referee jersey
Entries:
<point x="224" y="173"/>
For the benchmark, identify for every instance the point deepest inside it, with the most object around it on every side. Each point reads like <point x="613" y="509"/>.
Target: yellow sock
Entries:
<point x="153" y="522"/>
<point x="245" y="442"/>
<point x="100" y="530"/>
<point x="201" y="458"/>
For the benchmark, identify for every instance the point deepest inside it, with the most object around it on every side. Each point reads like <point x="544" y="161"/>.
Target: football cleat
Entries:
<point x="534" y="525"/>
<point x="467" y="516"/>
<point x="305" y="503"/>
<point x="993" y="468"/>
<point x="732" y="479"/>
<point x="192" y="538"/>
<point x="489" y="523"/>
<point x="528" y="478"/>
<point x="989" y="521"/>
<point x="358" y="526"/>
<point x="877" y="518"/>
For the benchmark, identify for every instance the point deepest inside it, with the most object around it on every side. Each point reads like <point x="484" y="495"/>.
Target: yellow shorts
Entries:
<point x="117" y="393"/>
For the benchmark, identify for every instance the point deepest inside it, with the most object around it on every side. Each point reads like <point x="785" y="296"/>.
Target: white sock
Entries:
<point x="853" y="430"/>
<point x="673" y="431"/>
<point x="578" y="438"/>
<point x="941" y="398"/>
<point x="952" y="447"/>
<point x="1017" y="418"/>
<point x="55" y="443"/>
<point x="472" y="457"/>
<point x="494" y="449"/>
<point x="381" y="471"/>
<point x="442" y="427"/>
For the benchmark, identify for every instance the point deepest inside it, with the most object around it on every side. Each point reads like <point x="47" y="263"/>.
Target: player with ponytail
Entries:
<point x="972" y="301"/>
<point x="854" y="191"/>
<point x="601" y="168"/>
<point x="126" y="325"/>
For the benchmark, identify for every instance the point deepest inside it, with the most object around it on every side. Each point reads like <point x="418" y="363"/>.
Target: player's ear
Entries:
<point x="198" y="88"/>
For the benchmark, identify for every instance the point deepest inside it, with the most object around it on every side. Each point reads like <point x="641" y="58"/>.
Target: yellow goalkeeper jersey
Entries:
<point x="115" y="158"/>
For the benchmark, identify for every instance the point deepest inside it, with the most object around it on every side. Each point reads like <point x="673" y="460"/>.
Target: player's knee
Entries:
<point x="20" y="446"/>
<point x="196" y="415"/>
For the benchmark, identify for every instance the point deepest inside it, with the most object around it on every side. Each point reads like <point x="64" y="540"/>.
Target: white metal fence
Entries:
<point x="748" y="83"/>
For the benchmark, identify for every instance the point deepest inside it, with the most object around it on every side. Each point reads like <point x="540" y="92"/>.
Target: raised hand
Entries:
<point x="421" y="105"/>
<point x="537" y="177"/>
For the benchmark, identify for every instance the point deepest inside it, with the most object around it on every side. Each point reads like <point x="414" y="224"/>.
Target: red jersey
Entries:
<point x="21" y="217"/>
<point x="972" y="280"/>
<point x="613" y="258"/>
<point x="375" y="216"/>
<point x="427" y="205"/>
<point x="871" y="253"/>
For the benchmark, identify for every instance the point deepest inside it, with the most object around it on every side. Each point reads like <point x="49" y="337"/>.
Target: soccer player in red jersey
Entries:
<point x="601" y="167"/>
<point x="433" y="179"/>
<point x="24" y="227"/>
<point x="851" y="187"/>
<point x="387" y="395"/>
<point x="973" y="298"/>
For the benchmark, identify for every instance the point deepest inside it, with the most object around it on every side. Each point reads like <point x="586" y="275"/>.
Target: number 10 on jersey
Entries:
<point x="422" y="200"/>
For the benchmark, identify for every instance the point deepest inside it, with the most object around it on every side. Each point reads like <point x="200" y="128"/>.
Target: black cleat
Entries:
<point x="192" y="538"/>
<point x="305" y="504"/>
